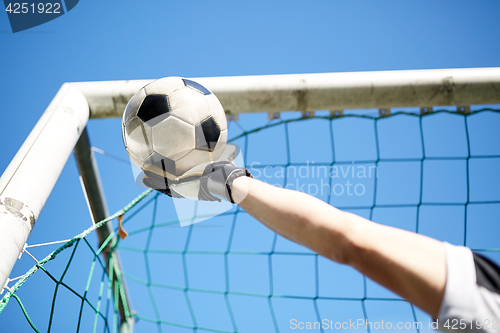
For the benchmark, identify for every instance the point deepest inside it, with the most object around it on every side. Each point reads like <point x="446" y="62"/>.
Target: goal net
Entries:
<point x="430" y="170"/>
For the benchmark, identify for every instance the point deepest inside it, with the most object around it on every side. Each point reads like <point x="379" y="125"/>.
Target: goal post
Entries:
<point x="28" y="180"/>
<point x="96" y="201"/>
<point x="30" y="177"/>
<point x="325" y="91"/>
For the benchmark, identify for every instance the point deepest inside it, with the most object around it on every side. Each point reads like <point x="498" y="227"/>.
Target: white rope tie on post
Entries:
<point x="25" y="247"/>
<point x="50" y="243"/>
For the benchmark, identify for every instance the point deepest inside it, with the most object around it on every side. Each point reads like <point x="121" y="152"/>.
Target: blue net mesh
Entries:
<point x="435" y="174"/>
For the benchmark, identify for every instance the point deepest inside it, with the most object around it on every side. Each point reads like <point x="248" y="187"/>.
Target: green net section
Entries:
<point x="105" y="307"/>
<point x="434" y="173"/>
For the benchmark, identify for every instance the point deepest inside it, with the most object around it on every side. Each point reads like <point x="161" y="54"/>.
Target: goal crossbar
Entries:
<point x="326" y="91"/>
<point x="30" y="177"/>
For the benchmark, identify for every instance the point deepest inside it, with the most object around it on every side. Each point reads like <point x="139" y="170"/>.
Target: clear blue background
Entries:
<point x="152" y="39"/>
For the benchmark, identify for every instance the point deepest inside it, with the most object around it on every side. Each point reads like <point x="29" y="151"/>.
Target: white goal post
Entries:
<point x="28" y="180"/>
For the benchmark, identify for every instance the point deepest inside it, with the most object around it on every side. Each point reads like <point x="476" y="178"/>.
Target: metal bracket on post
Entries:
<point x="463" y="109"/>
<point x="384" y="112"/>
<point x="307" y="114"/>
<point x="231" y="116"/>
<point x="336" y="113"/>
<point x="426" y="110"/>
<point x="273" y="115"/>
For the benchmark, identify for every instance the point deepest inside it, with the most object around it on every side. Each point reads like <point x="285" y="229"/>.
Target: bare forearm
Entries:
<point x="296" y="216"/>
<point x="409" y="264"/>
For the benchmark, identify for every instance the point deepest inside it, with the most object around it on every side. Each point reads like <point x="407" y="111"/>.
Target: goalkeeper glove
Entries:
<point x="210" y="181"/>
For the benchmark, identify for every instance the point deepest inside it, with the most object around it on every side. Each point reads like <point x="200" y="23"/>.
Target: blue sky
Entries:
<point x="153" y="39"/>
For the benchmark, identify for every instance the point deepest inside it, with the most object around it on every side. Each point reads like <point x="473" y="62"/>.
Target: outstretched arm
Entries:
<point x="411" y="265"/>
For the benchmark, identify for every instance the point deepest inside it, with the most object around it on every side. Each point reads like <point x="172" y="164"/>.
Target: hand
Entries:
<point x="159" y="183"/>
<point x="209" y="181"/>
<point x="217" y="180"/>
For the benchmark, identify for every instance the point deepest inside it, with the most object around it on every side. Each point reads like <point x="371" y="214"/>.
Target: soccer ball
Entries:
<point x="172" y="125"/>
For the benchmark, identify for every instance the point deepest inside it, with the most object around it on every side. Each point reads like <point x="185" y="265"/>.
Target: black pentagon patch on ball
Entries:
<point x="154" y="109"/>
<point x="162" y="162"/>
<point x="207" y="134"/>
<point x="196" y="86"/>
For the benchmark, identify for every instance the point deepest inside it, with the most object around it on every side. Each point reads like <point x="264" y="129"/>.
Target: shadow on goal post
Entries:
<point x="62" y="130"/>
